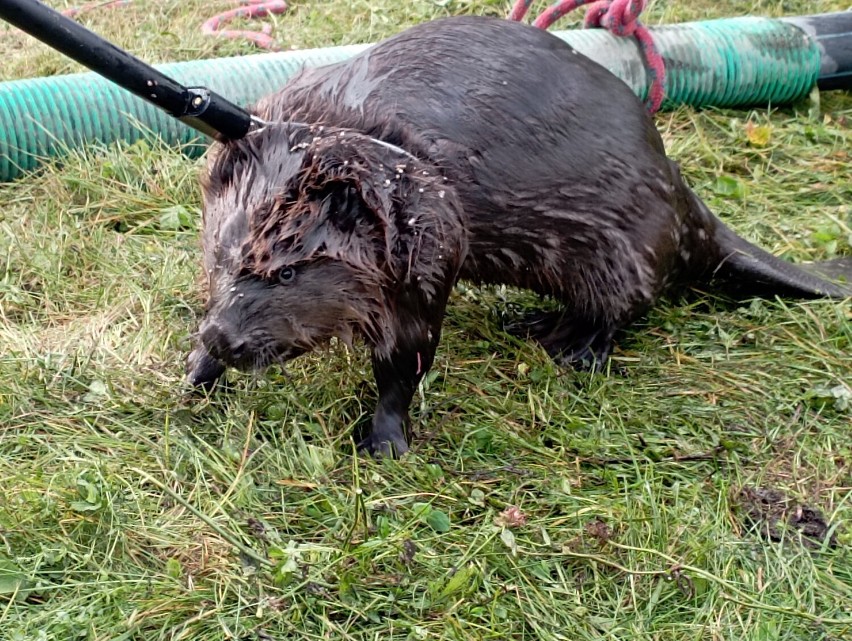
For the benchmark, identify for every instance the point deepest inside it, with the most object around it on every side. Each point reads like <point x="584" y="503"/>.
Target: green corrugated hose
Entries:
<point x="735" y="62"/>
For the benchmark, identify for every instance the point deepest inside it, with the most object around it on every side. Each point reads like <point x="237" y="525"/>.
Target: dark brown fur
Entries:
<point x="535" y="168"/>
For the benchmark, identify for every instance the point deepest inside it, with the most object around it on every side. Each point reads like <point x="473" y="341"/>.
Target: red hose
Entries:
<point x="75" y="11"/>
<point x="250" y="9"/>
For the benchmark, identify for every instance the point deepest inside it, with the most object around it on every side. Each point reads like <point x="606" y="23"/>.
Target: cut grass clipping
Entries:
<point x="700" y="489"/>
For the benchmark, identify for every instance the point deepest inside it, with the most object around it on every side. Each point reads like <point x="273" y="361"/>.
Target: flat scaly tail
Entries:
<point x="747" y="269"/>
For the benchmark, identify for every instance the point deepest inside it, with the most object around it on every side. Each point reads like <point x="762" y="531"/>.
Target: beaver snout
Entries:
<point x="223" y="342"/>
<point x="202" y="370"/>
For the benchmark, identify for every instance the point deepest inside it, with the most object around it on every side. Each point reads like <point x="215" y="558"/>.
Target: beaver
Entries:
<point x="466" y="148"/>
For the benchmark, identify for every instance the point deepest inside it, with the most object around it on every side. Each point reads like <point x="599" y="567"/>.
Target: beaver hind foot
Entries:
<point x="570" y="341"/>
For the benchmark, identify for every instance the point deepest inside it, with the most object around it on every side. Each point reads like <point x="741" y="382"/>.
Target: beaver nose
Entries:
<point x="223" y="344"/>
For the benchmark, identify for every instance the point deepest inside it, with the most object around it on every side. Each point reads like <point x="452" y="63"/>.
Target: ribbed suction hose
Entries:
<point x="735" y="62"/>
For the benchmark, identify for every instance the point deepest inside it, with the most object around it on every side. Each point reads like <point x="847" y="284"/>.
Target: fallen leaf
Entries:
<point x="758" y="135"/>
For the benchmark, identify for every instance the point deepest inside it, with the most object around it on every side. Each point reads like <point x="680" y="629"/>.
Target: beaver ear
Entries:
<point x="342" y="204"/>
<point x="353" y="190"/>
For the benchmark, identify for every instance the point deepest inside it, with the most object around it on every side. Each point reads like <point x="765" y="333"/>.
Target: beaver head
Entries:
<point x="313" y="233"/>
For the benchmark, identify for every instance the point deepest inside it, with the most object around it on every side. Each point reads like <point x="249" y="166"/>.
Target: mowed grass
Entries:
<point x="132" y="509"/>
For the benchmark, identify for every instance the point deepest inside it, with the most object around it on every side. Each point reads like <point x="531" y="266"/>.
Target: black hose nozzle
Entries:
<point x="198" y="107"/>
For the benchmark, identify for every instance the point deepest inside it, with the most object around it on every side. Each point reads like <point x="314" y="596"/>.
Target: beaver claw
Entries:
<point x="202" y="370"/>
<point x="382" y="447"/>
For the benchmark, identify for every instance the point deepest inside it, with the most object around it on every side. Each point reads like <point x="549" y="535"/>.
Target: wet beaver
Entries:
<point x="463" y="148"/>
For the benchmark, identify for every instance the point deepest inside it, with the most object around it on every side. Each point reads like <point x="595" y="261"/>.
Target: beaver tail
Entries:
<point x="743" y="268"/>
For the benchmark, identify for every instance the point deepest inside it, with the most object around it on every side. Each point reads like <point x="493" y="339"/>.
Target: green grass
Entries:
<point x="130" y="509"/>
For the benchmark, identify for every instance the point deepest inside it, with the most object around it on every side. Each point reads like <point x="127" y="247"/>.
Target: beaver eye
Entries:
<point x="286" y="275"/>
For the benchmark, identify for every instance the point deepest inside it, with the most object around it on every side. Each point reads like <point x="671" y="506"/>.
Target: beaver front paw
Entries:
<point x="202" y="370"/>
<point x="386" y="438"/>
<point x="382" y="446"/>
